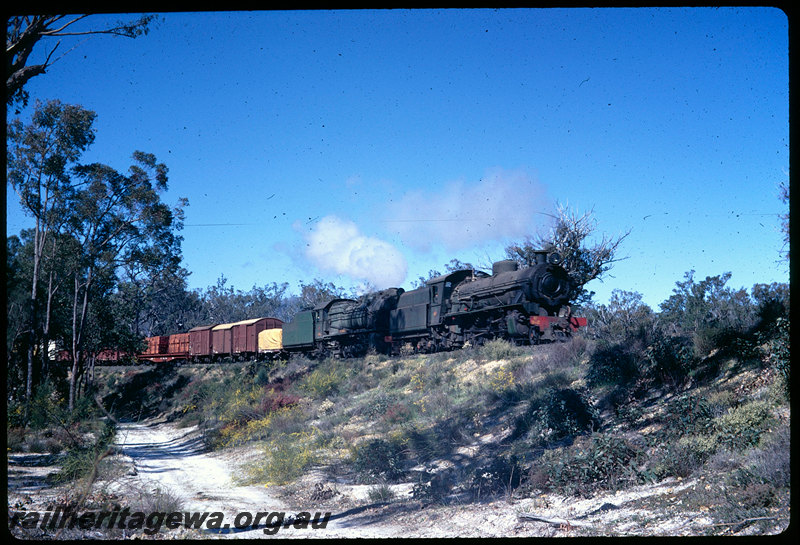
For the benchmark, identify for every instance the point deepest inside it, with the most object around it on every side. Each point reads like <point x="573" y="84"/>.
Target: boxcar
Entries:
<point x="245" y="335"/>
<point x="221" y="340"/>
<point x="200" y="343"/>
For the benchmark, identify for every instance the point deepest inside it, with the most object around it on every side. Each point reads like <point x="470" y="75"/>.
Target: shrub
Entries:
<point x="771" y="463"/>
<point x="501" y="475"/>
<point x="668" y="360"/>
<point x="555" y="413"/>
<point x="679" y="458"/>
<point x="687" y="414"/>
<point x="743" y="426"/>
<point x="81" y="460"/>
<point x="285" y="458"/>
<point x="598" y="461"/>
<point x="323" y="382"/>
<point x="567" y="412"/>
<point x="499" y="349"/>
<point x="378" y="459"/>
<point x="380" y="493"/>
<point x="612" y="365"/>
<point x="779" y="356"/>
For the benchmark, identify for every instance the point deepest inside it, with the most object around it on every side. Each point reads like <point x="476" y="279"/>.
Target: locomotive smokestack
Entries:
<point x="540" y="257"/>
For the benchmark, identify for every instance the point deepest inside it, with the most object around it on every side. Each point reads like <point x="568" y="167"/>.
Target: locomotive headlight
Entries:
<point x="554" y="258"/>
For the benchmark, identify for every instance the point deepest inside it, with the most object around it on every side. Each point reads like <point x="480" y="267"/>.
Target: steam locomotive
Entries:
<point x="461" y="308"/>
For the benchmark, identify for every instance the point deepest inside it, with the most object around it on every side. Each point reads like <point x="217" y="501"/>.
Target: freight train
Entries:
<point x="461" y="308"/>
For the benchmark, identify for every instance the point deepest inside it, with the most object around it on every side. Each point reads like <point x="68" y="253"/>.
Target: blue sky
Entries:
<point x="371" y="146"/>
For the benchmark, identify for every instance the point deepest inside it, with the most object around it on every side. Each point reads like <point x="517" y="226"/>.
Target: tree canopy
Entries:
<point x="24" y="32"/>
<point x="570" y="237"/>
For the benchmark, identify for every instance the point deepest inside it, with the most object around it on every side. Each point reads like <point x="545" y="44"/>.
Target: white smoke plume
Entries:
<point x="501" y="205"/>
<point x="337" y="245"/>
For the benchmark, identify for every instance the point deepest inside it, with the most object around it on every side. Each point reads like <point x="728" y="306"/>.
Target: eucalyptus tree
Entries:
<point x="570" y="236"/>
<point x="116" y="218"/>
<point x="40" y="156"/>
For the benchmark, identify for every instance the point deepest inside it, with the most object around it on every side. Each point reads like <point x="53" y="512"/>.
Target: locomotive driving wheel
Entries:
<point x="534" y="335"/>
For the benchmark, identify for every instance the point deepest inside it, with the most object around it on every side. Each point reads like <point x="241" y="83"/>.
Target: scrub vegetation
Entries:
<point x="639" y="398"/>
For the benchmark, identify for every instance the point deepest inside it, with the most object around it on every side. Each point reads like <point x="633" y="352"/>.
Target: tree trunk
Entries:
<point x="38" y="243"/>
<point x="77" y="332"/>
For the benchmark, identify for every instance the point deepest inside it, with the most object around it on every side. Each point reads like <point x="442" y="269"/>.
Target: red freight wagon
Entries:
<point x="200" y="340"/>
<point x="155" y="346"/>
<point x="166" y="348"/>
<point x="179" y="346"/>
<point x="222" y="340"/>
<point x="245" y="334"/>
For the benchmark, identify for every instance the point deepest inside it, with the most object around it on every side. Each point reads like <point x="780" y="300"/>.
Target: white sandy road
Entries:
<point x="172" y="459"/>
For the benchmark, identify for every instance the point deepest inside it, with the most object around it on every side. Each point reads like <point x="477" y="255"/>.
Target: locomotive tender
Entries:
<point x="460" y="308"/>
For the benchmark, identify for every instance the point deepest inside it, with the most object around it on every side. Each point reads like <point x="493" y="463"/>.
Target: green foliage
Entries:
<point x="501" y="475"/>
<point x="779" y="353"/>
<point x="82" y="459"/>
<point x="380" y="493"/>
<point x="567" y="412"/>
<point x="743" y="426"/>
<point x="556" y="413"/>
<point x="612" y="365"/>
<point x="707" y="308"/>
<point x="594" y="462"/>
<point x="568" y="236"/>
<point x="325" y="381"/>
<point x="378" y="459"/>
<point x="687" y="414"/>
<point x="625" y="318"/>
<point x="668" y="360"/>
<point x="499" y="349"/>
<point x="286" y="457"/>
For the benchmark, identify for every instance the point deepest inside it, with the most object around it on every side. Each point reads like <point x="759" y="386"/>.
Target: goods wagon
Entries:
<point x="165" y="348"/>
<point x="270" y="343"/>
<point x="244" y="338"/>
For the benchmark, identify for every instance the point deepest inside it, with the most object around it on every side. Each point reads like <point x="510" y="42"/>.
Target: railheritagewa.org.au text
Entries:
<point x="270" y="522"/>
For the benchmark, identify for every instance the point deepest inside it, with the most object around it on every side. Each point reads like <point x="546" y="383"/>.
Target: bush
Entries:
<point x="743" y="426"/>
<point x="678" y="458"/>
<point x="595" y="462"/>
<point x="567" y="413"/>
<point x="612" y="365"/>
<point x="502" y="475"/>
<point x="555" y="413"/>
<point x="499" y="349"/>
<point x="378" y="459"/>
<point x="286" y="458"/>
<point x="687" y="414"/>
<point x="779" y="356"/>
<point x="380" y="493"/>
<point x="771" y="463"/>
<point x="668" y="360"/>
<point x="81" y="460"/>
<point x="324" y="381"/>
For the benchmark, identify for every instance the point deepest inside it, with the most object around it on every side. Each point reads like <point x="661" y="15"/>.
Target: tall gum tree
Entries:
<point x="40" y="157"/>
<point x="116" y="218"/>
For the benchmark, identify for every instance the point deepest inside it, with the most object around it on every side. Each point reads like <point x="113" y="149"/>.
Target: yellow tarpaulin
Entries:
<point x="270" y="339"/>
